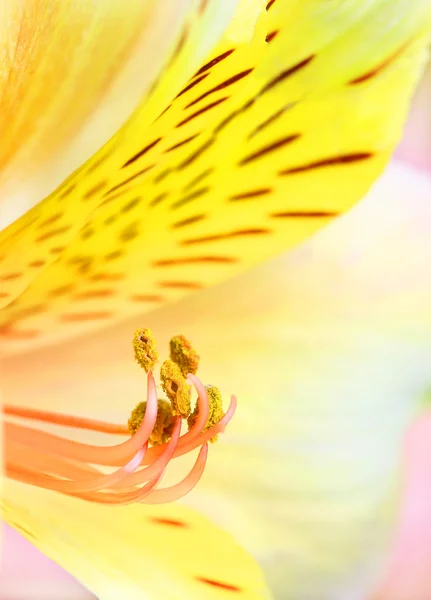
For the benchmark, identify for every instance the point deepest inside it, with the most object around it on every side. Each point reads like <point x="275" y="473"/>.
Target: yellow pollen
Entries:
<point x="215" y="410"/>
<point x="144" y="346"/>
<point x="165" y="422"/>
<point x="176" y="388"/>
<point x="184" y="355"/>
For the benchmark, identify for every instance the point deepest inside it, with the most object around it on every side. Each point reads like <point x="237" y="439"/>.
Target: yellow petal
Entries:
<point x="291" y="117"/>
<point x="135" y="552"/>
<point x="71" y="74"/>
<point x="327" y="357"/>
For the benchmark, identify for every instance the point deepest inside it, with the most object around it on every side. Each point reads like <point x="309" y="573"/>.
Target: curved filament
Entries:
<point x="185" y="486"/>
<point x="52" y="462"/>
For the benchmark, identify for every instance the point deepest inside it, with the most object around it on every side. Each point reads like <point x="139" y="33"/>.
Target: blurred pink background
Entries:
<point x="27" y="574"/>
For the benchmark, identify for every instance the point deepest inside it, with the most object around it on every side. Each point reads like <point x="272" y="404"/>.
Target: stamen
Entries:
<point x="110" y="455"/>
<point x="163" y="427"/>
<point x="67" y="420"/>
<point x="176" y="388"/>
<point x="144" y="346"/>
<point x="185" y="486"/>
<point x="59" y="464"/>
<point x="184" y="355"/>
<point x="215" y="410"/>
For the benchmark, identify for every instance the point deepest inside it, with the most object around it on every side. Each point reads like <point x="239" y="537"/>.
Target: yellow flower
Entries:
<point x="246" y="144"/>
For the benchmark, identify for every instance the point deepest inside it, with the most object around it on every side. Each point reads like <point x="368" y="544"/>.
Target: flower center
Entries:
<point x="56" y="463"/>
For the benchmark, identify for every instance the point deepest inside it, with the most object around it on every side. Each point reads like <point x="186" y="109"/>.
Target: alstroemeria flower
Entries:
<point x="315" y="468"/>
<point x="281" y="127"/>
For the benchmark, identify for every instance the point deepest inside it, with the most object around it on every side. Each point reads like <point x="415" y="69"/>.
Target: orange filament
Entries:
<point x="52" y="462"/>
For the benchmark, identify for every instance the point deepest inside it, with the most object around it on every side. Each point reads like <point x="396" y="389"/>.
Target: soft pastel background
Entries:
<point x="26" y="573"/>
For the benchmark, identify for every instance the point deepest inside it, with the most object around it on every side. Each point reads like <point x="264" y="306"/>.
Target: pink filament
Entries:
<point x="53" y="462"/>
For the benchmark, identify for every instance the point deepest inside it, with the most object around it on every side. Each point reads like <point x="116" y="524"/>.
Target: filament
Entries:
<point x="56" y="463"/>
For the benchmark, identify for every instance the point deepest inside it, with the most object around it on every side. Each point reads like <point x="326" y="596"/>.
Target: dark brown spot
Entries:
<point x="192" y="85"/>
<point x="224" y="236"/>
<point x="182" y="285"/>
<point x="155" y="201"/>
<point x="86" y="316"/>
<point x="107" y="277"/>
<point x="163" y="112"/>
<point x="67" y="191"/>
<point x="190" y="197"/>
<point x="51" y="220"/>
<point x="198" y="179"/>
<point x="343" y="159"/>
<point x="170" y="262"/>
<point x="182" y="143"/>
<point x="83" y="263"/>
<point x="270" y="120"/>
<point x="201" y="111"/>
<point x="373" y="72"/>
<point x="133" y="177"/>
<point x="78" y="259"/>
<point x="112" y="197"/>
<point x="11" y="276"/>
<point x="53" y="233"/>
<point x="99" y="161"/>
<point x="162" y="175"/>
<point x="61" y="291"/>
<point x="85" y="266"/>
<point x="234" y="114"/>
<point x="130" y="232"/>
<point x="90" y="294"/>
<point x="270" y="3"/>
<point x="222" y="86"/>
<point x="250" y="194"/>
<point x="111" y="219"/>
<point x="287" y="73"/>
<point x="130" y="205"/>
<point x="37" y="263"/>
<point x="269" y="148"/>
<point x="57" y="250"/>
<point x="219" y="584"/>
<point x="141" y="153"/>
<point x="214" y="62"/>
<point x="95" y="189"/>
<point x="271" y="36"/>
<point x="114" y="255"/>
<point x="87" y="233"/>
<point x="196" y="154"/>
<point x="316" y="214"/>
<point x="146" y="298"/>
<point x="173" y="522"/>
<point x="188" y="221"/>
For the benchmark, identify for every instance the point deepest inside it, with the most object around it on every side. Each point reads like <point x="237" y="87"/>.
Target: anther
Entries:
<point x="184" y="355"/>
<point x="144" y="346"/>
<point x="163" y="427"/>
<point x="215" y="410"/>
<point x="176" y="388"/>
